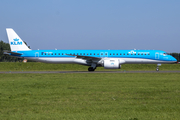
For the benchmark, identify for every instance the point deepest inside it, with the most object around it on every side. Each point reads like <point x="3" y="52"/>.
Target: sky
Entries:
<point x="93" y="24"/>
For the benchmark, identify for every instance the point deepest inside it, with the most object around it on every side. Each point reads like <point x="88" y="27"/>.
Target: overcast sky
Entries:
<point x="93" y="24"/>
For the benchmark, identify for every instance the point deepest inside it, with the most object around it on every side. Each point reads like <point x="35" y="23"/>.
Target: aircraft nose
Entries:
<point x="174" y="59"/>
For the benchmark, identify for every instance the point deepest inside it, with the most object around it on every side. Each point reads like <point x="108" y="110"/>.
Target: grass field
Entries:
<point x="35" y="66"/>
<point x="125" y="96"/>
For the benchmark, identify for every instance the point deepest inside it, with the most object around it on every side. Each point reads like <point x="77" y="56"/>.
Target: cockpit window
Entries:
<point x="166" y="54"/>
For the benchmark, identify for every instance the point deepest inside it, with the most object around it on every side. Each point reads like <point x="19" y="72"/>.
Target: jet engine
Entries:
<point x="112" y="64"/>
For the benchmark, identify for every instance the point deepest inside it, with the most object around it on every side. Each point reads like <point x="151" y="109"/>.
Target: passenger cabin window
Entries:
<point x="101" y="53"/>
<point x="90" y="53"/>
<point x="94" y="54"/>
<point x="113" y="53"/>
<point x="98" y="54"/>
<point x="120" y="54"/>
<point x="148" y="54"/>
<point x="106" y="54"/>
<point x="141" y="53"/>
<point x="55" y="53"/>
<point x="51" y="53"/>
<point x="45" y="53"/>
<point x="127" y="53"/>
<point x="117" y="54"/>
<point x="124" y="54"/>
<point x="110" y="53"/>
<point x="42" y="53"/>
<point x="138" y="53"/>
<point x="62" y="53"/>
<point x="131" y="53"/>
<point x="48" y="53"/>
<point x="59" y="54"/>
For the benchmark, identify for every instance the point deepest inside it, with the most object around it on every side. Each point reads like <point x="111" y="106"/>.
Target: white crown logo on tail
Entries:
<point x="16" y="42"/>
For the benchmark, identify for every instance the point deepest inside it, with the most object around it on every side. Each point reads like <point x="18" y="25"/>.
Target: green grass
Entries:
<point x="35" y="66"/>
<point x="125" y="96"/>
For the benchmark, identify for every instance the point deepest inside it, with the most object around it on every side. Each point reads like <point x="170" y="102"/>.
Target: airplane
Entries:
<point x="109" y="59"/>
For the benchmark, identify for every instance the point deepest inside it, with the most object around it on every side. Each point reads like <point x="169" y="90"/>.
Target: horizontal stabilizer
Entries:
<point x="12" y="53"/>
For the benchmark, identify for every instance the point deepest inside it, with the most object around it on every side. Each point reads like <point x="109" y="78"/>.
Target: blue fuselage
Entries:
<point x="129" y="56"/>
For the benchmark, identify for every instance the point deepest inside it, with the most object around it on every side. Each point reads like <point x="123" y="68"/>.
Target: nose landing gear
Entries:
<point x="157" y="69"/>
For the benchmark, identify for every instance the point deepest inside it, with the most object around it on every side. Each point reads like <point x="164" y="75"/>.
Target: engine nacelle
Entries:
<point x="112" y="64"/>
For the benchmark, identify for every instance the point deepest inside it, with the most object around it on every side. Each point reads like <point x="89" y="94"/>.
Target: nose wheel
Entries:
<point x="157" y="69"/>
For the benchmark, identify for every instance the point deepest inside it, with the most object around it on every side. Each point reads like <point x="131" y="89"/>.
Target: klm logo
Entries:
<point x="132" y="51"/>
<point x="16" y="42"/>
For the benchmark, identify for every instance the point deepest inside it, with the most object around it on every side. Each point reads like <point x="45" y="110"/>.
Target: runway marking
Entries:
<point x="45" y="72"/>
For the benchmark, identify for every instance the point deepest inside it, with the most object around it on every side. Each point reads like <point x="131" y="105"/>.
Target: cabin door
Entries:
<point x="37" y="54"/>
<point x="156" y="55"/>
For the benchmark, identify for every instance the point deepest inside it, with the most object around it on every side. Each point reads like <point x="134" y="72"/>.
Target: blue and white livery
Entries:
<point x="109" y="59"/>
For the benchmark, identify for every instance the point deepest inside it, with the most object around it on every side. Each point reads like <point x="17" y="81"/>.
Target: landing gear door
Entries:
<point x="156" y="55"/>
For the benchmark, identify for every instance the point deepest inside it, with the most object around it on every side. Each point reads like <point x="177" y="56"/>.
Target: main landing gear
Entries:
<point x="93" y="67"/>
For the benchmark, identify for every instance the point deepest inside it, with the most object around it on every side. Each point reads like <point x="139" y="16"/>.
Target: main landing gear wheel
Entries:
<point x="91" y="69"/>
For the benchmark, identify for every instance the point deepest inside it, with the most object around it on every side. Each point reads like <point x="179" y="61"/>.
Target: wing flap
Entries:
<point x="85" y="57"/>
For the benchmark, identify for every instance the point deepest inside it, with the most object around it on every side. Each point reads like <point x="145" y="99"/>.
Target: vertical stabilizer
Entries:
<point x="15" y="41"/>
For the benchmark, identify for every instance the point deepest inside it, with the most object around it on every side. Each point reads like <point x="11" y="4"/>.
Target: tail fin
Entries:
<point x="15" y="41"/>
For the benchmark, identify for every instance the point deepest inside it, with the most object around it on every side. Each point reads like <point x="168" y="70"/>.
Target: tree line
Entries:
<point x="7" y="58"/>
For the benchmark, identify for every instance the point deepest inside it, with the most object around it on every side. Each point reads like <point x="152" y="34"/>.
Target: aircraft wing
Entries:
<point x="12" y="53"/>
<point x="85" y="57"/>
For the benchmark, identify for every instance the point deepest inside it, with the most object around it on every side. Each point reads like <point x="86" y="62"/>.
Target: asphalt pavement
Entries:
<point x="45" y="72"/>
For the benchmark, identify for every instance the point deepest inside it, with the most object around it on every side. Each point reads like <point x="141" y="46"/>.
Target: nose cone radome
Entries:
<point x="173" y="59"/>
